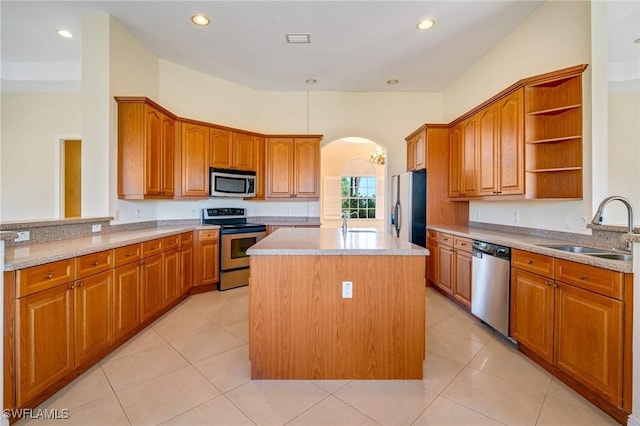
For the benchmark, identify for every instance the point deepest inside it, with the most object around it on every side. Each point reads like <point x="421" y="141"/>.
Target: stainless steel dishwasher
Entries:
<point x="490" y="284"/>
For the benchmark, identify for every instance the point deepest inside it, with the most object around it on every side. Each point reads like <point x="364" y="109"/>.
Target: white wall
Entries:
<point x="555" y="36"/>
<point x="31" y="124"/>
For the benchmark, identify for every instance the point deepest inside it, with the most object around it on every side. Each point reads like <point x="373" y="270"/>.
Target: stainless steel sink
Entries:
<point x="576" y="249"/>
<point x="613" y="256"/>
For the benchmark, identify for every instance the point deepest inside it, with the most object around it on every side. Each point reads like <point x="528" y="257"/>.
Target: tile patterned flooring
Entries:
<point x="191" y="367"/>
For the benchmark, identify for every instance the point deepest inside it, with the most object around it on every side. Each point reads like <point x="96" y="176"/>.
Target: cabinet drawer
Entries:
<point x="463" y="244"/>
<point x="532" y="262"/>
<point x="599" y="280"/>
<point x="37" y="278"/>
<point x="93" y="263"/>
<point x="445" y="239"/>
<point x="432" y="234"/>
<point x="169" y="243"/>
<point x="127" y="254"/>
<point x="209" y="235"/>
<point x="186" y="239"/>
<point x="150" y="248"/>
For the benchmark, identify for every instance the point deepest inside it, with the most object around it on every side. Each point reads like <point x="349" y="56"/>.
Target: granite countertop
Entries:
<point x="331" y="241"/>
<point x="18" y="257"/>
<point x="531" y="243"/>
<point x="8" y="235"/>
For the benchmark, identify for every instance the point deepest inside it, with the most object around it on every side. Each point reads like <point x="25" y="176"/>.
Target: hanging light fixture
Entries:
<point x="378" y="156"/>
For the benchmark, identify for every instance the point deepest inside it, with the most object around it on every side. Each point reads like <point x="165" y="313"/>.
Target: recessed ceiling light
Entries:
<point x="64" y="33"/>
<point x="393" y="81"/>
<point x="311" y="81"/>
<point x="200" y="20"/>
<point x="298" y="38"/>
<point x="425" y="24"/>
<point x="637" y="41"/>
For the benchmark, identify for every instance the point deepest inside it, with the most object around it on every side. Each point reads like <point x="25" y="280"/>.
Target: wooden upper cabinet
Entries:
<point x="488" y="163"/>
<point x="455" y="162"/>
<point x="416" y="152"/>
<point x="463" y="179"/>
<point x="145" y="150"/>
<point x="220" y="148"/>
<point x="231" y="150"/>
<point x="279" y="165"/>
<point x="259" y="158"/>
<point x="293" y="167"/>
<point x="307" y="168"/>
<point x="194" y="162"/>
<point x="510" y="147"/>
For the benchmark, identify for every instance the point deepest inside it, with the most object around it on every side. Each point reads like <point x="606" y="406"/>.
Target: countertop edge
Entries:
<point x="514" y="241"/>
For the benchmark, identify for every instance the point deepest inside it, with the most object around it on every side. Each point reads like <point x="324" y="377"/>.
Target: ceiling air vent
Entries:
<point x="298" y="38"/>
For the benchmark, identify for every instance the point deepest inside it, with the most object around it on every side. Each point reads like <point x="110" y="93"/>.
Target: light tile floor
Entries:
<point x="191" y="367"/>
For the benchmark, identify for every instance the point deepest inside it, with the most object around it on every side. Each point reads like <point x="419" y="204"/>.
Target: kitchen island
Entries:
<point x="304" y="325"/>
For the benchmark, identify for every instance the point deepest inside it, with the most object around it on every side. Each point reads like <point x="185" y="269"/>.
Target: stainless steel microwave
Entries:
<point x="232" y="183"/>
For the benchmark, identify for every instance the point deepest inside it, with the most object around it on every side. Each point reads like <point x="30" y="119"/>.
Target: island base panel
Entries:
<point x="302" y="328"/>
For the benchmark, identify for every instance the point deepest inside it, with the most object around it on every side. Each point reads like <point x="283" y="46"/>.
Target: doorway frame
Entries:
<point x="58" y="167"/>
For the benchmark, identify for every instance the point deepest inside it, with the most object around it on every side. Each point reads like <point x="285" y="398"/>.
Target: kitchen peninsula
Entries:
<point x="328" y="305"/>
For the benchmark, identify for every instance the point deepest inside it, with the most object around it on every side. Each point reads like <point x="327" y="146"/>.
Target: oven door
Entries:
<point x="234" y="249"/>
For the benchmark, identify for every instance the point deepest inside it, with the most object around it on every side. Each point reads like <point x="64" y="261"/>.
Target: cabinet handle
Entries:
<point x="529" y="261"/>
<point x="152" y="248"/>
<point x="142" y="262"/>
<point x="548" y="283"/>
<point x="49" y="276"/>
<point x="463" y="244"/>
<point x="95" y="263"/>
<point x="71" y="286"/>
<point x="127" y="254"/>
<point x="80" y="284"/>
<point x="582" y="277"/>
<point x="555" y="285"/>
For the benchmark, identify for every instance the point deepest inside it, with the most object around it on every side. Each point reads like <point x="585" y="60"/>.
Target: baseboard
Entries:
<point x="633" y="420"/>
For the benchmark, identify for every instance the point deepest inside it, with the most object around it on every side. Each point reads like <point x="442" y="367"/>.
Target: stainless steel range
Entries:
<point x="236" y="236"/>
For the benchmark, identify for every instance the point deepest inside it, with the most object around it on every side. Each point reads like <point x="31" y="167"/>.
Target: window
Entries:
<point x="358" y="196"/>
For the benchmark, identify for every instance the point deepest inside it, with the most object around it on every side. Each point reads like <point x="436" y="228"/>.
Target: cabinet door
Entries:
<point x="462" y="288"/>
<point x="195" y="163"/>
<point x="455" y="162"/>
<point x="279" y="165"/>
<point x="445" y="269"/>
<point x="532" y="312"/>
<point x="307" y="168"/>
<point x="93" y="315"/>
<point x="261" y="176"/>
<point x="168" y="147"/>
<point x="243" y="152"/>
<point x="220" y="148"/>
<point x="420" y="151"/>
<point x="588" y="339"/>
<point x="126" y="299"/>
<point x="45" y="344"/>
<point x="487" y="151"/>
<point x="432" y="261"/>
<point x="411" y="154"/>
<point x="209" y="262"/>
<point x="150" y="286"/>
<point x="153" y="151"/>
<point x="469" y="160"/>
<point x="186" y="268"/>
<point x="511" y="144"/>
<point x="171" y="276"/>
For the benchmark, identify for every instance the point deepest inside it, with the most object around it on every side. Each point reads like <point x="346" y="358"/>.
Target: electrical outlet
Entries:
<point x="193" y="213"/>
<point x="515" y="217"/>
<point x="138" y="214"/>
<point x="23" y="236"/>
<point x="347" y="289"/>
<point x="116" y="215"/>
<point x="96" y="227"/>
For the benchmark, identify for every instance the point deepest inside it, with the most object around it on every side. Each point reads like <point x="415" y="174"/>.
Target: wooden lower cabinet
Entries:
<point x="185" y="253"/>
<point x="126" y="299"/>
<point x="208" y="258"/>
<point x="151" y="273"/>
<point x="453" y="266"/>
<point x="577" y="331"/>
<point x="93" y="305"/>
<point x="44" y="345"/>
<point x="432" y="261"/>
<point x="171" y="285"/>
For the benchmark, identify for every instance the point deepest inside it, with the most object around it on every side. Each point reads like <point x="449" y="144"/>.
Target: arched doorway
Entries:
<point x="353" y="172"/>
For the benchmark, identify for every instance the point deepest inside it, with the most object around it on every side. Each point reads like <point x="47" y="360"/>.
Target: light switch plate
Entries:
<point x="96" y="227"/>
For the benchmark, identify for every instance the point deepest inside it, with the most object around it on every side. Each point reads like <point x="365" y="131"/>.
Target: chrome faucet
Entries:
<point x="599" y="216"/>
<point x="345" y="216"/>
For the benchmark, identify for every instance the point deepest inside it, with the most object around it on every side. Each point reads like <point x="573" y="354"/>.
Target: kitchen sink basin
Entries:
<point x="576" y="249"/>
<point x="613" y="256"/>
